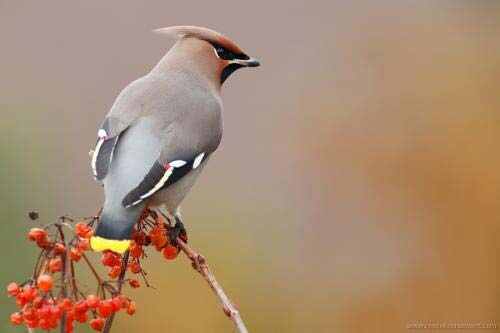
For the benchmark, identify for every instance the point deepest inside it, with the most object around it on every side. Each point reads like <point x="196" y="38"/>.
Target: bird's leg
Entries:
<point x="177" y="230"/>
<point x="173" y="230"/>
<point x="163" y="211"/>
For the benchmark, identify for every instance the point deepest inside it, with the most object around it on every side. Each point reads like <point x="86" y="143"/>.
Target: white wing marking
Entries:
<point x="159" y="185"/>
<point x="102" y="133"/>
<point x="177" y="163"/>
<point x="94" y="157"/>
<point x="197" y="160"/>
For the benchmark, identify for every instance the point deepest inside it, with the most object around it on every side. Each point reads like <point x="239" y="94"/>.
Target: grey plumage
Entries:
<point x="159" y="133"/>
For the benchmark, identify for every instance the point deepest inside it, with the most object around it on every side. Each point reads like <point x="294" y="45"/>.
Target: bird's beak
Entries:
<point x="247" y="63"/>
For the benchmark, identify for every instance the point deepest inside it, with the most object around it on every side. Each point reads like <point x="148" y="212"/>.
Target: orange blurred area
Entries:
<point x="357" y="185"/>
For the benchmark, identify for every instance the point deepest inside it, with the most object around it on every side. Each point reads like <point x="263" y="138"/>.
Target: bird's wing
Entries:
<point x="126" y="109"/>
<point x="167" y="169"/>
<point x="184" y="144"/>
<point x="107" y="138"/>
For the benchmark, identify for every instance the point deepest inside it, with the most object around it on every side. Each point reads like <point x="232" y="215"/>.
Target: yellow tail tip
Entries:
<point x="101" y="244"/>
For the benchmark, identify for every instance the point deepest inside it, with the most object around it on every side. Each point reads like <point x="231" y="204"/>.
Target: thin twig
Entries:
<point x="37" y="264"/>
<point x="73" y="280"/>
<point x="92" y="269"/>
<point x="100" y="282"/>
<point x="65" y="268"/>
<point x="121" y="280"/>
<point x="200" y="264"/>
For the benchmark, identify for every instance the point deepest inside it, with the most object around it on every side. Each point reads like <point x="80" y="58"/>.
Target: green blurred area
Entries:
<point x="357" y="185"/>
<point x="19" y="186"/>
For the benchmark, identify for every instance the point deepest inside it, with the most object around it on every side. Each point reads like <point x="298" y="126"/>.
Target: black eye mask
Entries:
<point x="228" y="55"/>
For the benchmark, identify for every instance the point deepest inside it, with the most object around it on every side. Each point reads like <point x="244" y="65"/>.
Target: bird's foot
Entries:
<point x="177" y="230"/>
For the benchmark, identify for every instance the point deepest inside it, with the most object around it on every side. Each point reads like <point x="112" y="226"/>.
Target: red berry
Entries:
<point x="69" y="326"/>
<point x="135" y="267"/>
<point x="124" y="301"/>
<point x="38" y="302"/>
<point x="110" y="259"/>
<point x="13" y="289"/>
<point x="105" y="308"/>
<point x="97" y="324"/>
<point x="75" y="254"/>
<point x="136" y="250"/>
<point x="114" y="271"/>
<point x="65" y="304"/>
<point x="93" y="301"/>
<point x="21" y="299"/>
<point x="44" y="311"/>
<point x="170" y="252"/>
<point x="81" y="317"/>
<point x="83" y="244"/>
<point x="131" y="308"/>
<point x="37" y="235"/>
<point x="29" y="314"/>
<point x="134" y="283"/>
<point x="45" y="282"/>
<point x="55" y="265"/>
<point x="81" y="307"/>
<point x="44" y="324"/>
<point x="117" y="303"/>
<point x="139" y="238"/>
<point x="29" y="293"/>
<point x="31" y="323"/>
<point x="158" y="237"/>
<point x="16" y="318"/>
<point x="59" y="248"/>
<point x="55" y="312"/>
<point x="83" y="230"/>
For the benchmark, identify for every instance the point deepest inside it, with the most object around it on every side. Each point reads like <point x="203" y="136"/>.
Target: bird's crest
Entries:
<point x="209" y="35"/>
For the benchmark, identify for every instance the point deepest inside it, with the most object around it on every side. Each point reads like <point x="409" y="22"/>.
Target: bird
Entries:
<point x="161" y="131"/>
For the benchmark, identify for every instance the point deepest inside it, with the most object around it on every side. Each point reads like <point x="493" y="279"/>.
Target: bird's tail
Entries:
<point x="114" y="232"/>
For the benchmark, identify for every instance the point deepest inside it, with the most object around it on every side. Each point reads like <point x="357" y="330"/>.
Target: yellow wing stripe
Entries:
<point x="102" y="244"/>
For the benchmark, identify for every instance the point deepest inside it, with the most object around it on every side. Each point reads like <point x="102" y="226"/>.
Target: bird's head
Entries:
<point x="208" y="51"/>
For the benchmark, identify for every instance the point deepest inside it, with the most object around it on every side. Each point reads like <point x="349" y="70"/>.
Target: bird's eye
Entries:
<point x="223" y="53"/>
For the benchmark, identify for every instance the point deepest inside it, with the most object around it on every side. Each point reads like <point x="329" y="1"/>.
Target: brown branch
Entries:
<point x="121" y="280"/>
<point x="64" y="272"/>
<point x="200" y="264"/>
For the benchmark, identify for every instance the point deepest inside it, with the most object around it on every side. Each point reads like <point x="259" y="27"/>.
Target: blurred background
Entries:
<point x="356" y="188"/>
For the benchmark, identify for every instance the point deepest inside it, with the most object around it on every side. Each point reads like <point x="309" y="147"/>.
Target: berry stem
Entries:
<point x="73" y="280"/>
<point x="37" y="264"/>
<point x="65" y="270"/>
<point x="121" y="281"/>
<point x="98" y="278"/>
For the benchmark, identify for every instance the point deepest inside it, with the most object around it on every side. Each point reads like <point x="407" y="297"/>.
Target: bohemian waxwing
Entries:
<point x="161" y="131"/>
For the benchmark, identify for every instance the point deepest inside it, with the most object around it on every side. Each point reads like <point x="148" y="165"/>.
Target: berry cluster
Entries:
<point x="40" y="311"/>
<point x="53" y="297"/>
<point x="152" y="230"/>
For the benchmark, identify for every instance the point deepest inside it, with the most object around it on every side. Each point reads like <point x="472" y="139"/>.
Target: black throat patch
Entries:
<point x="228" y="70"/>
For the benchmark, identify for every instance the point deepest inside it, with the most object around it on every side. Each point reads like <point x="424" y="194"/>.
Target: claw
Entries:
<point x="183" y="233"/>
<point x="177" y="230"/>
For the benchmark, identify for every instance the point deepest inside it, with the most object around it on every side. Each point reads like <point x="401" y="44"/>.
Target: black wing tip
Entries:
<point x="104" y="157"/>
<point x="154" y="177"/>
<point x="130" y="200"/>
